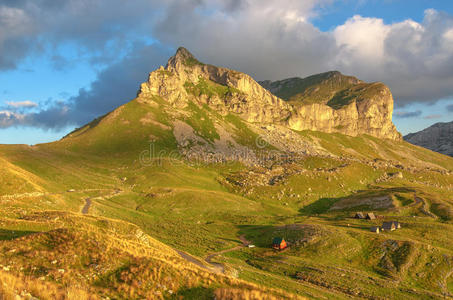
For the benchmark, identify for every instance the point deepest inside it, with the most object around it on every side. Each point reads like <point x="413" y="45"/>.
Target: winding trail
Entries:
<point x="209" y="264"/>
<point x="424" y="207"/>
<point x="210" y="267"/>
<point x="86" y="207"/>
<point x="89" y="200"/>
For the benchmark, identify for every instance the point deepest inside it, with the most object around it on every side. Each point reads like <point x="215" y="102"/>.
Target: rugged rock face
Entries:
<point x="362" y="109"/>
<point x="185" y="78"/>
<point x="332" y="102"/>
<point x="438" y="137"/>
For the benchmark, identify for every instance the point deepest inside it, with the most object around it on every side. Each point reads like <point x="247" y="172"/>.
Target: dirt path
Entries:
<point x="40" y="194"/>
<point x="86" y="207"/>
<point x="220" y="266"/>
<point x="213" y="266"/>
<point x="89" y="200"/>
<point x="424" y="207"/>
<point x="193" y="260"/>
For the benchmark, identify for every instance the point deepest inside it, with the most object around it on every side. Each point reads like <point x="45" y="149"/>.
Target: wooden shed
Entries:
<point x="370" y="216"/>
<point x="359" y="215"/>
<point x="279" y="243"/>
<point x="375" y="229"/>
<point x="397" y="224"/>
<point x="389" y="226"/>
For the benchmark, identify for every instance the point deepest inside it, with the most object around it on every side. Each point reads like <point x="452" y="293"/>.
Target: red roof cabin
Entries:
<point x="279" y="243"/>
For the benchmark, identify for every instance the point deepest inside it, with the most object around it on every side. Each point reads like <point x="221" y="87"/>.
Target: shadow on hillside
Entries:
<point x="262" y="235"/>
<point x="323" y="205"/>
<point x="194" y="293"/>
<point x="320" y="206"/>
<point x="7" y="234"/>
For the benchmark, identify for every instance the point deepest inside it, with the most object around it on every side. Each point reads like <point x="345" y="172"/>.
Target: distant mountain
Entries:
<point x="438" y="137"/>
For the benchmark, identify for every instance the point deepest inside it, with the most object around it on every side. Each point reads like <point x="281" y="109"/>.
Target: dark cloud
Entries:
<point x="118" y="83"/>
<point x="450" y="108"/>
<point x="266" y="39"/>
<point x="113" y="87"/>
<point x="407" y="114"/>
<point x="432" y="117"/>
<point x="98" y="27"/>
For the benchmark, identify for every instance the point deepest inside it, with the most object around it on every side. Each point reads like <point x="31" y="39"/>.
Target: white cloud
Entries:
<point x="10" y="118"/>
<point x="22" y="104"/>
<point x="414" y="59"/>
<point x="361" y="40"/>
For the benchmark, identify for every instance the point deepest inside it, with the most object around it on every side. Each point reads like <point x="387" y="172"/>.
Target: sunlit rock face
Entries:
<point x="347" y="105"/>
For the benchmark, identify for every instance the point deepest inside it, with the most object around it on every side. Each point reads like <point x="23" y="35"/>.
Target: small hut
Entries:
<point x="397" y="224"/>
<point x="370" y="216"/>
<point x="279" y="243"/>
<point x="389" y="226"/>
<point x="375" y="229"/>
<point x="359" y="215"/>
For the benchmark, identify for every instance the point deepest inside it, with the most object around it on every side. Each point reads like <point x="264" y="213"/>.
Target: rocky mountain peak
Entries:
<point x="182" y="59"/>
<point x="336" y="103"/>
<point x="183" y="53"/>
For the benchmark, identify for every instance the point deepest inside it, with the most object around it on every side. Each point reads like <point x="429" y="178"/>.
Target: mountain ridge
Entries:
<point x="366" y="110"/>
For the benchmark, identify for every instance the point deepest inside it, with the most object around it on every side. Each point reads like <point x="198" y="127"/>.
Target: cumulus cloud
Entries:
<point x="276" y="40"/>
<point x="266" y="39"/>
<point x="407" y="114"/>
<point x="10" y="118"/>
<point x="414" y="59"/>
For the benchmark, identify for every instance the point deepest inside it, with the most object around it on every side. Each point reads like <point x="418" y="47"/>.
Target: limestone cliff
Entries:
<point x="361" y="109"/>
<point x="333" y="102"/>
<point x="185" y="78"/>
<point x="438" y="137"/>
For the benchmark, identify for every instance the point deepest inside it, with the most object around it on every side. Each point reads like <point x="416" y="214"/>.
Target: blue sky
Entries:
<point x="389" y="10"/>
<point x="88" y="60"/>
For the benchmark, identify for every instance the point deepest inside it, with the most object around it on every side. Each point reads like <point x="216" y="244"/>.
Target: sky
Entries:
<point x="64" y="63"/>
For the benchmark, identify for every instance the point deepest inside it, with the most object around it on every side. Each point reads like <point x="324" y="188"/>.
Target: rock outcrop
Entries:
<point x="362" y="109"/>
<point x="185" y="78"/>
<point x="333" y="102"/>
<point x="438" y="137"/>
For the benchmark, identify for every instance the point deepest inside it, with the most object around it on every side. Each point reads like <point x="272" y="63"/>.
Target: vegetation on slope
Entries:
<point x="205" y="208"/>
<point x="331" y="88"/>
<point x="209" y="88"/>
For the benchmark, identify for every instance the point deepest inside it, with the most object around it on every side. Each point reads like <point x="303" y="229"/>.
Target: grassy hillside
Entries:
<point x="56" y="255"/>
<point x="67" y="207"/>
